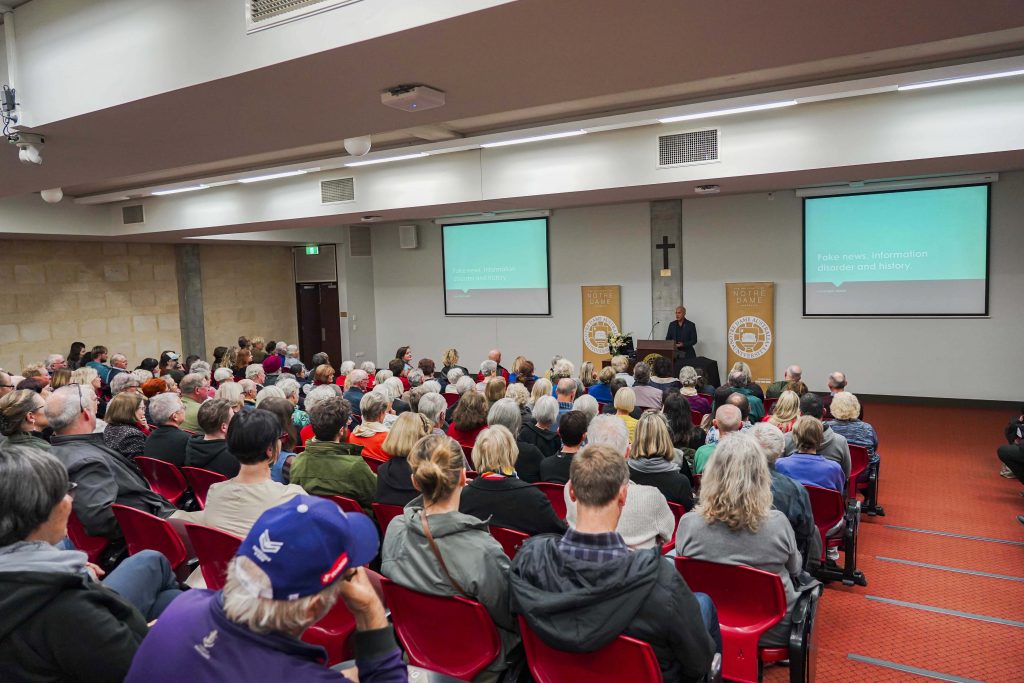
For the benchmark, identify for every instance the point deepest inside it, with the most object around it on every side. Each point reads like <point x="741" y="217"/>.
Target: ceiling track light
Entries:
<point x="386" y="160"/>
<point x="956" y="81"/>
<point x="179" y="190"/>
<point x="535" y="138"/>
<point x="273" y="176"/>
<point x="728" y="112"/>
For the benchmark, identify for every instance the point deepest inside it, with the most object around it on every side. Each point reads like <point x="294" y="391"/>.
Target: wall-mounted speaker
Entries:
<point x="408" y="237"/>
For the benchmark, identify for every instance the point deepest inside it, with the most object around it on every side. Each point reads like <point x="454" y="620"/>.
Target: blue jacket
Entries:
<point x="812" y="470"/>
<point x="204" y="645"/>
<point x="602" y="393"/>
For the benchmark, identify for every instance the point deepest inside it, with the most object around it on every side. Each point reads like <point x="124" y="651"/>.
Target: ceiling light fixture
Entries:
<point x="272" y="176"/>
<point x="965" y="79"/>
<point x="383" y="161"/>
<point x="535" y="138"/>
<point x="728" y="112"/>
<point x="180" y="190"/>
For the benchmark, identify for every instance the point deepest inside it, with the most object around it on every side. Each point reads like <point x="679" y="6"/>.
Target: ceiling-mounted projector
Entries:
<point x="412" y="97"/>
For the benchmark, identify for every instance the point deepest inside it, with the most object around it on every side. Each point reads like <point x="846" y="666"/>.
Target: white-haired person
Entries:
<point x="542" y="432"/>
<point x="505" y="412"/>
<point x="846" y="422"/>
<point x="433" y="406"/>
<point x="691" y="387"/>
<point x="290" y="387"/>
<point x="223" y="376"/>
<point x="521" y="395"/>
<point x="587" y="405"/>
<point x="315" y="395"/>
<point x="372" y="431"/>
<point x="291" y="355"/>
<point x="167" y="441"/>
<point x="734" y="523"/>
<point x="298" y="560"/>
<point x="356" y="383"/>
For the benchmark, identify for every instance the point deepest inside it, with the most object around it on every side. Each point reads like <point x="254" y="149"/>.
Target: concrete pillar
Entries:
<point x="666" y="263"/>
<point x="190" y="300"/>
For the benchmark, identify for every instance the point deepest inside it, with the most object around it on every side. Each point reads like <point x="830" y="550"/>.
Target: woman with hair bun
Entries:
<point x="22" y="418"/>
<point x="433" y="548"/>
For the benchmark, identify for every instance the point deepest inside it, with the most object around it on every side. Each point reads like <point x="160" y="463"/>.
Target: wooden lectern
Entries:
<point x="647" y="350"/>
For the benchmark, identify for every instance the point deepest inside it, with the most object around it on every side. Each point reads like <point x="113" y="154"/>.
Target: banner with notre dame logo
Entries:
<point x="750" y="313"/>
<point x="600" y="320"/>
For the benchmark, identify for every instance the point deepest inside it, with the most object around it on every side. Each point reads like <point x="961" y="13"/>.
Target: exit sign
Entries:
<point x="312" y="250"/>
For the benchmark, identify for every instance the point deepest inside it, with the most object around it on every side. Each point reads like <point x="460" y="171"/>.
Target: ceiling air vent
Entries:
<point x="682" y="149"/>
<point x="359" y="241"/>
<point x="337" y="190"/>
<point x="261" y="14"/>
<point x="130" y="215"/>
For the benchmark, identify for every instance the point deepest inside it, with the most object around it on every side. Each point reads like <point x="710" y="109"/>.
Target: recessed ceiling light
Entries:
<point x="728" y="112"/>
<point x="964" y="79"/>
<point x="535" y="138"/>
<point x="384" y="161"/>
<point x="179" y="190"/>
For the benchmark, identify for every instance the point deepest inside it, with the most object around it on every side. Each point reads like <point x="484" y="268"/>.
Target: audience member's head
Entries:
<point x="427" y="367"/>
<point x="405" y="432"/>
<point x="744" y="369"/>
<point x="588" y="375"/>
<point x="737" y="379"/>
<point x="200" y="367"/>
<point x="653" y="439"/>
<point x="587" y="405"/>
<point x="566" y="389"/>
<point x="125" y="409"/>
<point x="154" y="387"/>
<point x="619" y="364"/>
<point x="317" y="394"/>
<point x="606" y="375"/>
<point x="321" y="358"/>
<point x="770" y="440"/>
<point x="845" y="406"/>
<point x="736" y="485"/>
<point x="470" y="412"/>
<point x="836" y="382"/>
<point x="125" y="382"/>
<point x="356" y="379"/>
<point x="572" y="428"/>
<point x="495" y="355"/>
<point x="415" y="377"/>
<point x="542" y="387"/>
<point x="268" y="392"/>
<point x="810" y="404"/>
<point x="36" y="384"/>
<point x="433" y="407"/>
<point x="787" y="408"/>
<point x="6" y="384"/>
<point x="505" y="412"/>
<point x="255" y="437"/>
<point x="465" y="384"/>
<point x="797" y="387"/>
<point x="495" y="450"/>
<point x="488" y="369"/>
<point x="793" y="373"/>
<point x="641" y="373"/>
<point x="373" y="405"/>
<point x="740" y="401"/>
<point x="34" y="500"/>
<point x="494" y="389"/>
<point x="281" y="409"/>
<point x="58" y="378"/>
<point x="662" y="367"/>
<point x="55" y="362"/>
<point x="214" y="417"/>
<point x="728" y="419"/>
<point x="329" y="417"/>
<point x="194" y="387"/>
<point x="36" y="371"/>
<point x="249" y="389"/>
<point x="598" y="477"/>
<point x="518" y="393"/>
<point x="149" y="364"/>
<point x="99" y="354"/>
<point x="256" y="373"/>
<point x="438" y="468"/>
<point x="610" y="431"/>
<point x="22" y="411"/>
<point x="450" y="358"/>
<point x="545" y="411"/>
<point x="166" y="410"/>
<point x="625" y="400"/>
<point x="72" y="410"/>
<point x="688" y="378"/>
<point x="223" y="375"/>
<point x="290" y="388"/>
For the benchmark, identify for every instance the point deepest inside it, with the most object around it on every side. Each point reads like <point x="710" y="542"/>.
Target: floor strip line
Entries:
<point x="956" y="570"/>
<point x="952" y="535"/>
<point x="949" y="612"/>
<point x="927" y="673"/>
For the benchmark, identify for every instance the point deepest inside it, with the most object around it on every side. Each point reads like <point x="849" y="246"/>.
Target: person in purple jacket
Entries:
<point x="805" y="465"/>
<point x="297" y="560"/>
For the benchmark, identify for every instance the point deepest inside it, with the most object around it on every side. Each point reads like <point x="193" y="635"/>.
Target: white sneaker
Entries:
<point x="832" y="554"/>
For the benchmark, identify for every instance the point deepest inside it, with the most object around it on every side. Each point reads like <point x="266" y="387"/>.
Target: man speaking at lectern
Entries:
<point x="684" y="333"/>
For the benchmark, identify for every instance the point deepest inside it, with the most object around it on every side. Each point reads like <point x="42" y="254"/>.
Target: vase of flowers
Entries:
<point x="618" y="342"/>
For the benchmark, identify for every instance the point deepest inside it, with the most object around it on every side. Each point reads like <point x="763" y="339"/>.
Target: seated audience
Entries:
<point x="565" y="393"/>
<point x="601" y="391"/>
<point x="394" y="477"/>
<point x="250" y="630"/>
<point x="691" y="387"/>
<point x="792" y="374"/>
<point x="290" y="387"/>
<point x="806" y="465"/>
<point x="647" y="395"/>
<point x="740" y="383"/>
<point x="588" y="375"/>
<point x="542" y="433"/>
<point x="194" y="391"/>
<point x="288" y="437"/>
<point x="652" y="460"/>
<point x="58" y="620"/>
<point x="581" y="591"/>
<point x="233" y="394"/>
<point x="315" y="395"/>
<point x="1012" y="453"/>
<point x="572" y="430"/>
<point x="249" y="393"/>
<point x="685" y="434"/>
<point x="494" y="390"/>
<point x="330" y="466"/>
<point x="23" y="419"/>
<point x="505" y="412"/>
<point x="625" y="403"/>
<point x="235" y="505"/>
<point x="788" y="495"/>
<point x="498" y="497"/>
<point x="209" y="450"/>
<point x="468" y="419"/>
<point x="127" y="428"/>
<point x="433" y="406"/>
<point x="620" y="364"/>
<point x="833" y="445"/>
<point x="587" y="405"/>
<point x="167" y="441"/>
<point x="836" y="385"/>
<point x="728" y="419"/>
<point x="662" y="376"/>
<point x="646" y="520"/>
<point x="372" y="431"/>
<point x="125" y="382"/>
<point x="735" y="523"/>
<point x="748" y="375"/>
<point x="785" y="411"/>
<point x="846" y="423"/>
<point x="355" y="387"/>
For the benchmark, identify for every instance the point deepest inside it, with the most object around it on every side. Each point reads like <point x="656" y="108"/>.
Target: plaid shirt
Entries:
<point x="593" y="547"/>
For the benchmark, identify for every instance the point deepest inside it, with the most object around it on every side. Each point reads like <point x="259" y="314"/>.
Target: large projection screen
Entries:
<point x="496" y="268"/>
<point x="905" y="253"/>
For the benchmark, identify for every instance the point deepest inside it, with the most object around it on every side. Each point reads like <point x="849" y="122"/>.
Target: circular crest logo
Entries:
<point x="750" y="337"/>
<point x="596" y="333"/>
<point x="651" y="357"/>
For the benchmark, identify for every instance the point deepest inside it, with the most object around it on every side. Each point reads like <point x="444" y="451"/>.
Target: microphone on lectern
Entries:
<point x="651" y="335"/>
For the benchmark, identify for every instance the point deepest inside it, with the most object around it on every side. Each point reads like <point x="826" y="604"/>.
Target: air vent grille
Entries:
<point x="132" y="214"/>
<point x="261" y="14"/>
<point x="359" y="241"/>
<point x="337" y="190"/>
<point x="319" y="267"/>
<point x="695" y="147"/>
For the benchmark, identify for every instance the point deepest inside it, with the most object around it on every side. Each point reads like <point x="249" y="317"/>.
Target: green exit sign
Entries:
<point x="311" y="250"/>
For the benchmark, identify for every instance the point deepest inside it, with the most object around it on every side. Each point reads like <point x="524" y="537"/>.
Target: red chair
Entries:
<point x="346" y="504"/>
<point x="215" y="549"/>
<point x="163" y="477"/>
<point x="468" y="452"/>
<point x="143" y="531"/>
<point x="696" y="483"/>
<point x="384" y="514"/>
<point x="471" y="475"/>
<point x="624" y="659"/>
<point x="447" y="634"/>
<point x="838" y="524"/>
<point x="201" y="480"/>
<point x="450" y="399"/>
<point x="677" y="511"/>
<point x="556" y="494"/>
<point x="769" y="405"/>
<point x="334" y="634"/>
<point x="510" y="539"/>
<point x="372" y="462"/>
<point x="93" y="546"/>
<point x="695" y="417"/>
<point x="858" y="465"/>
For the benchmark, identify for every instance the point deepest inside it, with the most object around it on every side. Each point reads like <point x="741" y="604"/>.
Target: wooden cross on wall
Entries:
<point x="664" y="246"/>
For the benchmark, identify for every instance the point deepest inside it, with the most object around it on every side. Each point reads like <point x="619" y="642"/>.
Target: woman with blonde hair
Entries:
<point x="785" y="412"/>
<point x="652" y="460"/>
<point x="394" y="477"/>
<point x="588" y="375"/>
<point x="22" y="418"/>
<point x="60" y="378"/>
<point x="324" y="374"/>
<point x="736" y="524"/>
<point x="494" y="390"/>
<point x="542" y="387"/>
<point x="846" y="422"/>
<point x="450" y="361"/>
<point x="625" y="403"/>
<point x="232" y="392"/>
<point x="434" y="548"/>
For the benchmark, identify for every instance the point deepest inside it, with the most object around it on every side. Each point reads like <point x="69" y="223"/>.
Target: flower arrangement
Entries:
<point x="618" y="342"/>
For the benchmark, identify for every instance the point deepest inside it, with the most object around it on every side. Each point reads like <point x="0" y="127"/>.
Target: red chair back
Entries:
<point x="334" y="634"/>
<point x="677" y="511"/>
<point x="510" y="539"/>
<point x="829" y="510"/>
<point x="143" y="531"/>
<point x="384" y="514"/>
<point x="471" y="475"/>
<point x="201" y="480"/>
<point x="624" y="659"/>
<point x="858" y="464"/>
<point x="346" y="504"/>
<point x="556" y="494"/>
<point x="696" y="482"/>
<point x="215" y="549"/>
<point x="749" y="602"/>
<point x="93" y="546"/>
<point x="451" y="399"/>
<point x="372" y="462"/>
<point x="163" y="477"/>
<point x="447" y="634"/>
<point x="769" y="405"/>
<point x="468" y="452"/>
<point x="695" y="417"/>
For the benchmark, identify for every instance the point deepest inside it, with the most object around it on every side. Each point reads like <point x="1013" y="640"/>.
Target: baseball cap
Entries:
<point x="172" y="356"/>
<point x="306" y="544"/>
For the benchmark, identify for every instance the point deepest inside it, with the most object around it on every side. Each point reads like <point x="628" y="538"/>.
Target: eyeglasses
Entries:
<point x="81" y="401"/>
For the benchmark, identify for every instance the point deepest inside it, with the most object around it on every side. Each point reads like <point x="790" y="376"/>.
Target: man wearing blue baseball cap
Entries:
<point x="296" y="561"/>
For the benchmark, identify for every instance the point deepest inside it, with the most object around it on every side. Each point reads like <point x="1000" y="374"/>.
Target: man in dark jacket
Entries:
<point x="210" y="450"/>
<point x="168" y="441"/>
<point x="57" y="621"/>
<point x="581" y="591"/>
<point x="102" y="476"/>
<point x="684" y="333"/>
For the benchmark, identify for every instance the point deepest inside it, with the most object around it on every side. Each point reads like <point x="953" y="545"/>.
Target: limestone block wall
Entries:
<point x="52" y="293"/>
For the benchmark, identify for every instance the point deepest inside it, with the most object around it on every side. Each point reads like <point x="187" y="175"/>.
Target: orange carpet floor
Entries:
<point x="939" y="473"/>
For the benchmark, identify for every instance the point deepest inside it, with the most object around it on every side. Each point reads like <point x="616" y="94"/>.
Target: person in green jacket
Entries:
<point x="329" y="466"/>
<point x="793" y="374"/>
